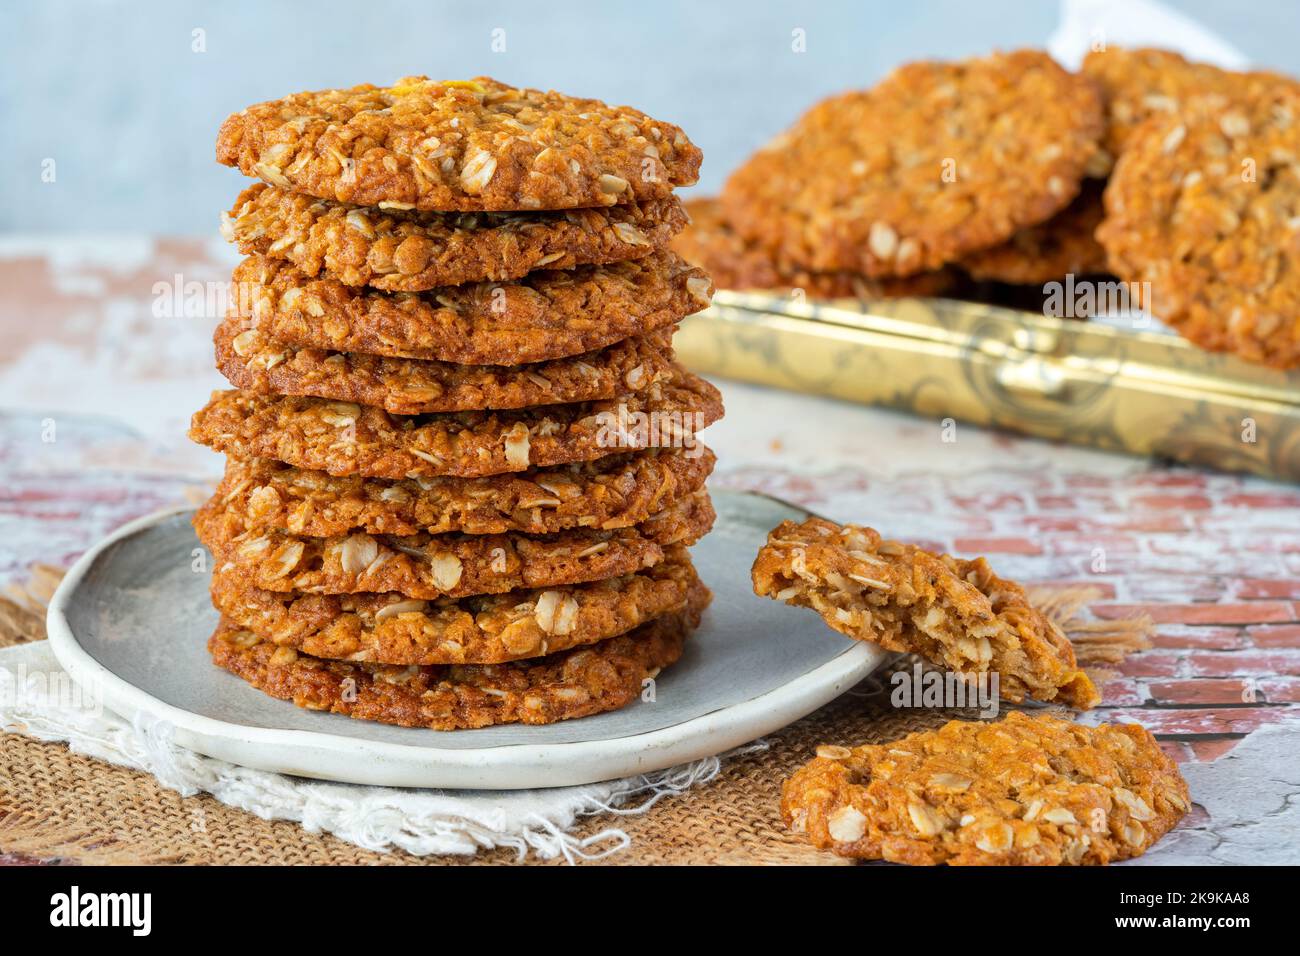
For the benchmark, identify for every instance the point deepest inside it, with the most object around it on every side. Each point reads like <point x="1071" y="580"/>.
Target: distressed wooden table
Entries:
<point x="108" y="351"/>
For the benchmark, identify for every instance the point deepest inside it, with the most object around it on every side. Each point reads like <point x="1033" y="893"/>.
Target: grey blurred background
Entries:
<point x="115" y="93"/>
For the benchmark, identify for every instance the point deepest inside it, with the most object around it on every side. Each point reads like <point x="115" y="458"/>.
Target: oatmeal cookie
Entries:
<point x="1202" y="205"/>
<point x="938" y="160"/>
<point x="408" y="251"/>
<point x="1138" y="84"/>
<point x="1021" y="791"/>
<point x="617" y="491"/>
<point x="546" y="315"/>
<point x="736" y="263"/>
<point x="573" y="683"/>
<point x="458" y="145"/>
<point x="953" y="612"/>
<point x="255" y="363"/>
<point x="1064" y="245"/>
<point x="388" y="628"/>
<point x="435" y="566"/>
<point x="347" y="439"/>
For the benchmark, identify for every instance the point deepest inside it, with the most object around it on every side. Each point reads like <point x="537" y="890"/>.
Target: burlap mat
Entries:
<point x="57" y="805"/>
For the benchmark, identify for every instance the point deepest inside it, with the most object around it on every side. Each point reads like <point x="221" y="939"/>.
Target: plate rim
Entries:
<point x="472" y="767"/>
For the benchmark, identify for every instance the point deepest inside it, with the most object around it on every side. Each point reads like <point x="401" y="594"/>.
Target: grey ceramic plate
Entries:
<point x="132" y="618"/>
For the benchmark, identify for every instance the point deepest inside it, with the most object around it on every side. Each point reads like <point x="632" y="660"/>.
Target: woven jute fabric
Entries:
<point x="56" y="805"/>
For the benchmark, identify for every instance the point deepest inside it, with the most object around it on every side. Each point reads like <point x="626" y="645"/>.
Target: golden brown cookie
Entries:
<point x="1064" y="245"/>
<point x="450" y="565"/>
<point x="574" y="683"/>
<point x="458" y="145"/>
<point x="617" y="491"/>
<point x="410" y="251"/>
<point x="952" y="612"/>
<point x="484" y="629"/>
<point x="255" y="363"/>
<point x="546" y="315"/>
<point x="1024" y="791"/>
<point x="1138" y="84"/>
<point x="936" y="161"/>
<point x="347" y="439"/>
<point x="735" y="263"/>
<point x="1202" y="206"/>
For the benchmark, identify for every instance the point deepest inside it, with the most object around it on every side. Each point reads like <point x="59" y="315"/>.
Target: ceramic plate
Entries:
<point x="132" y="618"/>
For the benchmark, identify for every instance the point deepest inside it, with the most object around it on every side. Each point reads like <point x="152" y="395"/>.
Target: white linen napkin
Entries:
<point x="420" y="822"/>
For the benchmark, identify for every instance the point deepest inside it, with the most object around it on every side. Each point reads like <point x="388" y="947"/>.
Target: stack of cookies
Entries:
<point x="991" y="177"/>
<point x="462" y="471"/>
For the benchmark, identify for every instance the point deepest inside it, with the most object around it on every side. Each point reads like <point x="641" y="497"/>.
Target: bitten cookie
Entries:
<point x="952" y="612"/>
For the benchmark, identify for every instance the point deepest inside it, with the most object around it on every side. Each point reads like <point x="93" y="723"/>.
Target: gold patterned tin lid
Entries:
<point x="1115" y="386"/>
